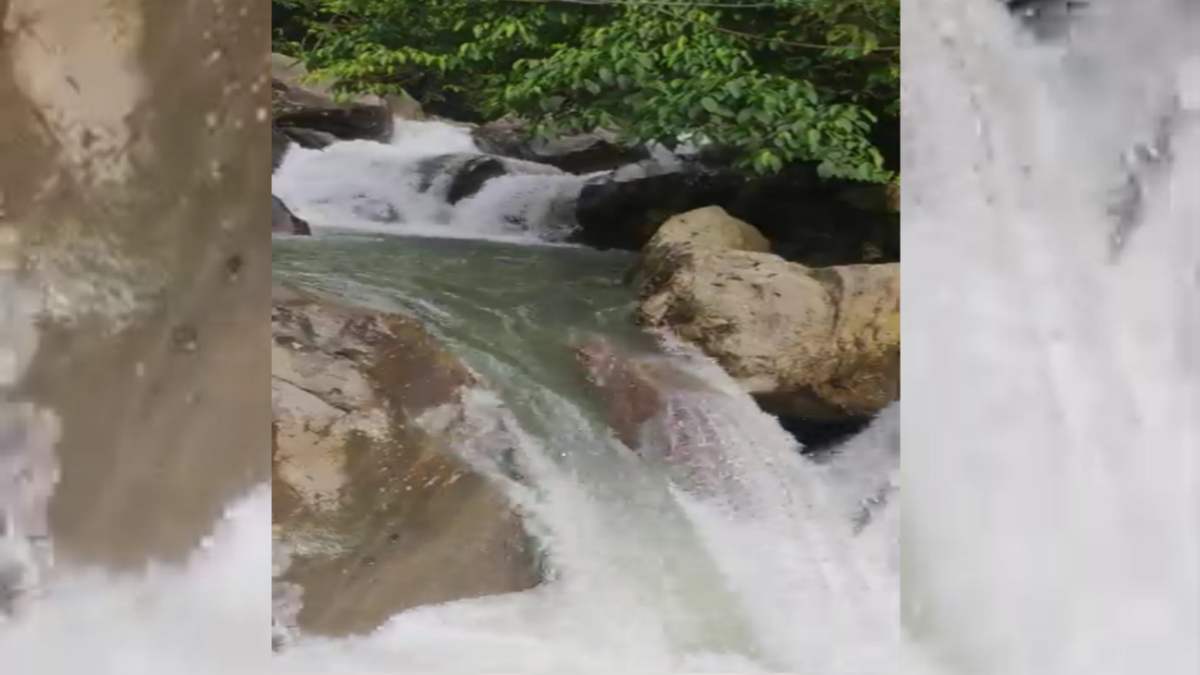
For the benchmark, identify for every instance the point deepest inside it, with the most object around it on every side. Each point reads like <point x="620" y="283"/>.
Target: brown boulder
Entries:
<point x="818" y="343"/>
<point x="710" y="227"/>
<point x="376" y="508"/>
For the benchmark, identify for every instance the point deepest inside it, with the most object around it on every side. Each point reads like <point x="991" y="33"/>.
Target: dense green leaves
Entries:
<point x="778" y="81"/>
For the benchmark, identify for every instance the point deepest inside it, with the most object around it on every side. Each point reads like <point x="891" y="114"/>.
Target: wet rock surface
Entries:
<point x="375" y="508"/>
<point x="576" y="153"/>
<point x="458" y="176"/>
<point x="807" y="220"/>
<point x="814" y="343"/>
<point x="367" y="118"/>
<point x="284" y="221"/>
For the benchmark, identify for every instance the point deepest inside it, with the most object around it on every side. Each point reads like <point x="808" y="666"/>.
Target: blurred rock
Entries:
<point x="375" y="503"/>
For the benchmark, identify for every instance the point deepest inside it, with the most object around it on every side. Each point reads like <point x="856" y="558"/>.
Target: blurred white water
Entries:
<point x="210" y="615"/>
<point x="1052" y="427"/>
<point x="382" y="187"/>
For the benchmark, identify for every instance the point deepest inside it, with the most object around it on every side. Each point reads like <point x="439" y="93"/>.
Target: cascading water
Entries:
<point x="1050" y="433"/>
<point x="715" y="547"/>
<point x="415" y="186"/>
<point x="405" y="187"/>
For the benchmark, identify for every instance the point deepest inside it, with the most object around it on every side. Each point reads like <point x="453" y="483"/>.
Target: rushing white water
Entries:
<point x="402" y="188"/>
<point x="406" y="186"/>
<point x="716" y="548"/>
<point x="207" y="616"/>
<point x="1051" y="427"/>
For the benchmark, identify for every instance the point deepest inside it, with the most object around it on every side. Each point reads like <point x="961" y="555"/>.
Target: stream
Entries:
<point x="762" y="564"/>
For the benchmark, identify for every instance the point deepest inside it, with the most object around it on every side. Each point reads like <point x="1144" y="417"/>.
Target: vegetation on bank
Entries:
<point x="777" y="82"/>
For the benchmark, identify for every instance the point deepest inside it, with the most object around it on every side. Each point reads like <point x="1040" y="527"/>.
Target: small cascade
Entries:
<point x="432" y="180"/>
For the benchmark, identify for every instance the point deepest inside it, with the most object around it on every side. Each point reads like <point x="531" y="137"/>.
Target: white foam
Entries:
<point x="378" y="187"/>
<point x="211" y="615"/>
<point x="1050" y="427"/>
<point x="650" y="576"/>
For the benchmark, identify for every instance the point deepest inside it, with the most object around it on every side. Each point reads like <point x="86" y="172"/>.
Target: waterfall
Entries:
<point x="1050" y="431"/>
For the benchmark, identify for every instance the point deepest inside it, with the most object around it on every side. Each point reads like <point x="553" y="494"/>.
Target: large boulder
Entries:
<point x="385" y="493"/>
<point x="816" y="343"/>
<point x="576" y="153"/>
<point x="710" y="227"/>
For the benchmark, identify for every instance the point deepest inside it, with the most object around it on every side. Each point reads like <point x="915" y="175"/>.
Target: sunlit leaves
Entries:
<point x="803" y="81"/>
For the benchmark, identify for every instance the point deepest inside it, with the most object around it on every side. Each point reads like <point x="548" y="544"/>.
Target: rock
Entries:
<point x="472" y="175"/>
<point x="366" y="117"/>
<point x="576" y="153"/>
<point x="625" y="214"/>
<point x="815" y="343"/>
<point x="672" y="411"/>
<point x="821" y="222"/>
<point x="284" y="222"/>
<point x="279" y="147"/>
<point x="458" y="176"/>
<point x="808" y="220"/>
<point x="709" y="228"/>
<point x="309" y="138"/>
<point x="631" y="395"/>
<point x="291" y="72"/>
<point x="373" y="511"/>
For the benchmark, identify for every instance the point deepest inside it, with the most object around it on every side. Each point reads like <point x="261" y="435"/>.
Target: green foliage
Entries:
<point x="777" y="81"/>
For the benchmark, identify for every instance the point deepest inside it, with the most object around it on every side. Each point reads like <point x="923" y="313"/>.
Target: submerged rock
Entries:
<point x="667" y="413"/>
<point x="284" y="221"/>
<point x="375" y="507"/>
<point x="815" y="343"/>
